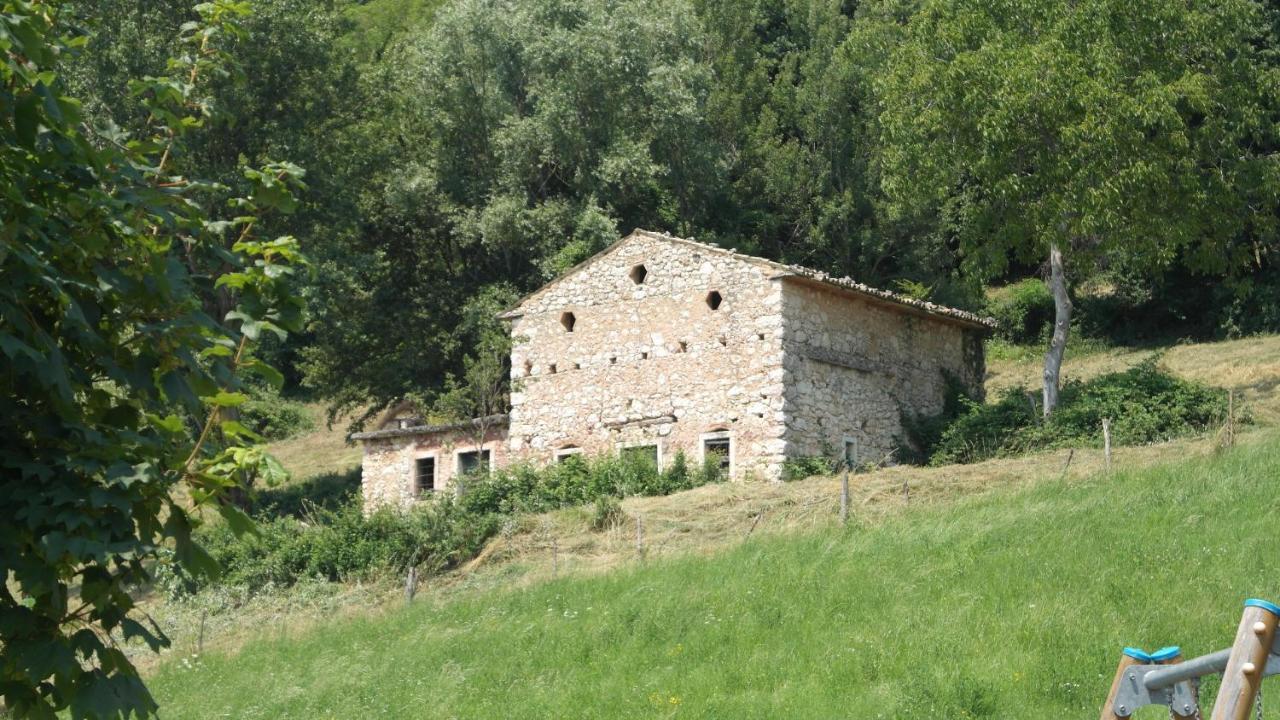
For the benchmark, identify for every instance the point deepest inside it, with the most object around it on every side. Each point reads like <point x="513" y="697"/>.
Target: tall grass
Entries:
<point x="1013" y="604"/>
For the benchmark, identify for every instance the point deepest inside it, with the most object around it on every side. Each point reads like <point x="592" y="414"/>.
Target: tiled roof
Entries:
<point x="491" y="420"/>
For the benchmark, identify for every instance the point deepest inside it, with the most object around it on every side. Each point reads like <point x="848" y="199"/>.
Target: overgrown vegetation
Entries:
<point x="815" y="624"/>
<point x="322" y="533"/>
<point x="578" y="481"/>
<point x="1143" y="404"/>
<point x="273" y="417"/>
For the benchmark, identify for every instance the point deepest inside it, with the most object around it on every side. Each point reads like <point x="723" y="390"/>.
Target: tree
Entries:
<point x="115" y="379"/>
<point x="1084" y="132"/>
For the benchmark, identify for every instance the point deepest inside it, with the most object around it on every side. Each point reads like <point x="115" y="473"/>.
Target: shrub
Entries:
<point x="799" y="468"/>
<point x="343" y="543"/>
<point x="922" y="433"/>
<point x="606" y="513"/>
<point x="273" y="417"/>
<point x="577" y="480"/>
<point x="1023" y="312"/>
<point x="1145" y="404"/>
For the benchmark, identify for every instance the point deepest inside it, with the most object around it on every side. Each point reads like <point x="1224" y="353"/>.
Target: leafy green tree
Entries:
<point x="116" y="380"/>
<point x="1084" y="132"/>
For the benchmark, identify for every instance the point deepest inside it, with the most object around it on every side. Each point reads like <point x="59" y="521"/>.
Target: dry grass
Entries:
<point x="1250" y="366"/>
<point x="715" y="518"/>
<point x="323" y="450"/>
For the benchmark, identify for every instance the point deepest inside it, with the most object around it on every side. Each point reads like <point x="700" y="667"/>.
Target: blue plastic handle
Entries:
<point x="1165" y="654"/>
<point x="1269" y="607"/>
<point x="1137" y="654"/>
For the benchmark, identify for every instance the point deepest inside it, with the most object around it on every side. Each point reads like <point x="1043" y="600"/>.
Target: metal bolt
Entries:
<point x="1124" y="710"/>
<point x="1186" y="709"/>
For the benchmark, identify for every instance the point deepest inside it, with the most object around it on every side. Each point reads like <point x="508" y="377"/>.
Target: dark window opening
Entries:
<point x="644" y="356"/>
<point x="553" y="368"/>
<point x="638" y="274"/>
<point x="563" y="454"/>
<point x="613" y="360"/>
<point x="714" y="299"/>
<point x="718" y="449"/>
<point x="647" y="454"/>
<point x="577" y="366"/>
<point x="424" y="475"/>
<point x="568" y="321"/>
<point x="759" y="336"/>
<point x="473" y="461"/>
<point x="850" y="453"/>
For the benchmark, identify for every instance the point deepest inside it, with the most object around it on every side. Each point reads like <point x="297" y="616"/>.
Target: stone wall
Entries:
<point x="387" y="470"/>
<point x="645" y="359"/>
<point x="853" y="366"/>
<point x="661" y="342"/>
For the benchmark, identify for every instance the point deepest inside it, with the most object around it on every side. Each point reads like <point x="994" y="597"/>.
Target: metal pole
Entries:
<point x="1210" y="664"/>
<point x="1189" y="705"/>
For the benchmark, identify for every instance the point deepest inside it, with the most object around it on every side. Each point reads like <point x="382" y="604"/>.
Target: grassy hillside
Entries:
<point x="1011" y="603"/>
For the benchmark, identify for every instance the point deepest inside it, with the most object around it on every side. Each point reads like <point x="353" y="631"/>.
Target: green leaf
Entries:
<point x="240" y="523"/>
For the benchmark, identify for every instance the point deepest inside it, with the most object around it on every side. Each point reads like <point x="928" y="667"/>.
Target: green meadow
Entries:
<point x="1010" y="604"/>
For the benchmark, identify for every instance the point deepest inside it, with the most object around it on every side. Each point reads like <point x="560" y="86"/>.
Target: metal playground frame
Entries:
<point x="1163" y="678"/>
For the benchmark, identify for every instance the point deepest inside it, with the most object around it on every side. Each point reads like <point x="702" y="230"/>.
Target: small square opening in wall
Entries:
<point x="553" y="369"/>
<point x="642" y="454"/>
<point x="568" y="321"/>
<point x="684" y="346"/>
<point x="638" y="274"/>
<point x="577" y="366"/>
<point x="714" y="299"/>
<point x="718" y="449"/>
<point x="644" y="355"/>
<point x="473" y="461"/>
<point x="850" y="453"/>
<point x="424" y="475"/>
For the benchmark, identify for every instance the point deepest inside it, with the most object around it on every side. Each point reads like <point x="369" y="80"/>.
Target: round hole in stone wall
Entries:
<point x="714" y="299"/>
<point x="568" y="321"/>
<point x="638" y="274"/>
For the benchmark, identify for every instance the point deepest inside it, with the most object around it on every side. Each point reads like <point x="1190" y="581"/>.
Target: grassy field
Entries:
<point x="1011" y="603"/>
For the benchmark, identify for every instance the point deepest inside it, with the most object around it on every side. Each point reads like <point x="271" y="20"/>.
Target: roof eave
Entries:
<point x="920" y="308"/>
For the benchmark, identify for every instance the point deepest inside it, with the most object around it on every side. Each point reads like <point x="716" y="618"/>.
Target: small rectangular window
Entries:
<point x="424" y="475"/>
<point x="473" y="461"/>
<point x="641" y="453"/>
<point x="851" y="454"/>
<point x="719" y="448"/>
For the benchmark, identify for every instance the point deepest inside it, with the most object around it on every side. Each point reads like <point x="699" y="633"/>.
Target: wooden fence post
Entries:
<point x="844" y="498"/>
<point x="640" y="537"/>
<point x="1231" y="418"/>
<point x="1066" y="465"/>
<point x="1106" y="441"/>
<point x="555" y="558"/>
<point x="411" y="584"/>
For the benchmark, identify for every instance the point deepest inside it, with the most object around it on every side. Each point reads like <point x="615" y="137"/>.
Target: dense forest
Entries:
<point x="206" y="204"/>
<point x="461" y="153"/>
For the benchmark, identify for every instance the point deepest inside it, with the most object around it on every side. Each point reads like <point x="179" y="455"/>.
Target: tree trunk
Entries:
<point x="1061" y="329"/>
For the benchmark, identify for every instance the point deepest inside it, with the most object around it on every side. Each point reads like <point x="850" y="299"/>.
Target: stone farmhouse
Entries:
<point x="660" y="345"/>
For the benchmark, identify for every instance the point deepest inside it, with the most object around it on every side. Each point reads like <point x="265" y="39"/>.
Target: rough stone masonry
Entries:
<point x="660" y="345"/>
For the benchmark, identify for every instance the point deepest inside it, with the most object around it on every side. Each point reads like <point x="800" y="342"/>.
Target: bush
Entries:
<point x="578" y="481"/>
<point x="799" y="468"/>
<point x="343" y="543"/>
<point x="1145" y="404"/>
<point x="922" y="433"/>
<point x="275" y="418"/>
<point x="607" y="513"/>
<point x="1023" y="312"/>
